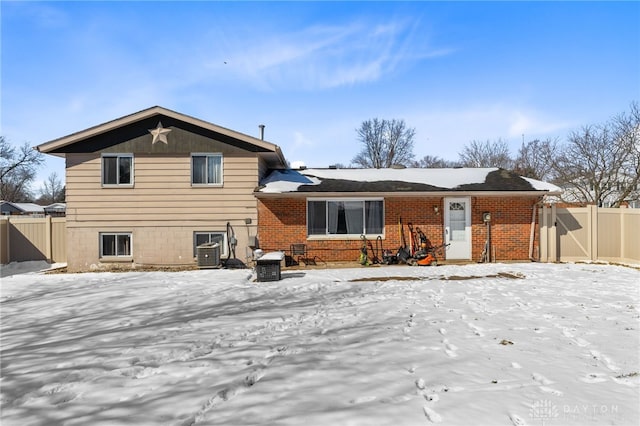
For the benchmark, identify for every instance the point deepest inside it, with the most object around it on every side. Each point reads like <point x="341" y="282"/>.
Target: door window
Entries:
<point x="457" y="221"/>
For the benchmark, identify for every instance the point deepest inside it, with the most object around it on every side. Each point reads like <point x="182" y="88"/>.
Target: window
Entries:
<point x="206" y="169"/>
<point x="345" y="217"/>
<point x="210" y="237"/>
<point x="457" y="221"/>
<point x="115" y="244"/>
<point x="117" y="169"/>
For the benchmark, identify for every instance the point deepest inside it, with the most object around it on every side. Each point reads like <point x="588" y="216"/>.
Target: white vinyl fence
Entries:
<point x="33" y="238"/>
<point x="589" y="233"/>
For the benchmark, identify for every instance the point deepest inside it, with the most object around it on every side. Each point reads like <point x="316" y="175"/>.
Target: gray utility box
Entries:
<point x="268" y="266"/>
<point x="208" y="255"/>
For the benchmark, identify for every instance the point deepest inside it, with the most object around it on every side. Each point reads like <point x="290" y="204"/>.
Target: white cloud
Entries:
<point x="528" y="122"/>
<point x="321" y="56"/>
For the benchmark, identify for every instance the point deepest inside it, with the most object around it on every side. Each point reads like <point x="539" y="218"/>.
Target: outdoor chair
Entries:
<point x="300" y="253"/>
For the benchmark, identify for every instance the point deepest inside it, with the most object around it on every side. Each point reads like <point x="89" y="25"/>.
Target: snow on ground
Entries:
<point x="494" y="344"/>
<point x="14" y="268"/>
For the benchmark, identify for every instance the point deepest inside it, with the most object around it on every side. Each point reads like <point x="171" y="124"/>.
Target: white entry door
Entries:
<point x="457" y="227"/>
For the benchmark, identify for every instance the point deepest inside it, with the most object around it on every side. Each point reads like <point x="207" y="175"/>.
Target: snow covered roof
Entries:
<point x="60" y="207"/>
<point x="28" y="207"/>
<point x="400" y="180"/>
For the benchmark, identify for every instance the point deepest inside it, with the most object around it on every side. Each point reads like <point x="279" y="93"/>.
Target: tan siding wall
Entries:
<point x="162" y="209"/>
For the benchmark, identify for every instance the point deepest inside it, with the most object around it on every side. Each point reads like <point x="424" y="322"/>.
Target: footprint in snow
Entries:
<point x="253" y="377"/>
<point x="543" y="381"/>
<point x="594" y="378"/>
<point x="552" y="391"/>
<point x="362" y="399"/>
<point x="450" y="349"/>
<point x="577" y="340"/>
<point x="517" y="420"/>
<point x="605" y="359"/>
<point x="478" y="331"/>
<point x="431" y="397"/>
<point x="432" y="415"/>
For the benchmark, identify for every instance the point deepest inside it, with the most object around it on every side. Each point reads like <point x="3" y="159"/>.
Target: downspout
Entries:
<point x="533" y="230"/>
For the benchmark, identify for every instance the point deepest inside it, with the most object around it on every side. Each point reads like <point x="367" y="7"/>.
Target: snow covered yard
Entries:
<point x="496" y="344"/>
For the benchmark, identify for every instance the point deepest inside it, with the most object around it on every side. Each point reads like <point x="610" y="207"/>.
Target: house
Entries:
<point x="148" y="188"/>
<point x="328" y="210"/>
<point x="26" y="209"/>
<point x="55" y="209"/>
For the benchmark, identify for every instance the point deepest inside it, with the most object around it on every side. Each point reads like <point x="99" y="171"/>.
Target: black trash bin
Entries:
<point x="268" y="266"/>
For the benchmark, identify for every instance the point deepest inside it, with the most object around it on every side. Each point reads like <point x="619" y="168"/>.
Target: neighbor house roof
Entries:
<point x="56" y="207"/>
<point x="65" y="144"/>
<point x="25" y="207"/>
<point x="400" y="182"/>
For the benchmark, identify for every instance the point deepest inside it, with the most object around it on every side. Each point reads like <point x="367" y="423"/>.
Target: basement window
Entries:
<point x="117" y="169"/>
<point x="345" y="217"/>
<point x="115" y="244"/>
<point x="210" y="237"/>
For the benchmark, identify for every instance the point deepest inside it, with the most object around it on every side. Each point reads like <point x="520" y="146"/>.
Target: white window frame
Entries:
<point x="223" y="249"/>
<point x="207" y="155"/>
<point x="101" y="235"/>
<point x="327" y="235"/>
<point x="117" y="184"/>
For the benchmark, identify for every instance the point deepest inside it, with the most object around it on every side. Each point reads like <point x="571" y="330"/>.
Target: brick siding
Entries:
<point x="282" y="222"/>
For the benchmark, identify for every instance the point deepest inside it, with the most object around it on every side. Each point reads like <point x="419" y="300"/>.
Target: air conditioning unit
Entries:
<point x="208" y="255"/>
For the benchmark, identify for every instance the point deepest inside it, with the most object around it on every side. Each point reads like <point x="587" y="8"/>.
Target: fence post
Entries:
<point x="555" y="244"/>
<point x="593" y="237"/>
<point x="623" y="252"/>
<point x="48" y="240"/>
<point x="4" y="240"/>
<point x="544" y="234"/>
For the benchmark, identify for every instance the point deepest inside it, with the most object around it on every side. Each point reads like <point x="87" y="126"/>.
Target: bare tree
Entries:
<point x="17" y="171"/>
<point x="535" y="159"/>
<point x="386" y="142"/>
<point x="600" y="163"/>
<point x="627" y="132"/>
<point x="52" y="190"/>
<point x="434" y="162"/>
<point x="486" y="154"/>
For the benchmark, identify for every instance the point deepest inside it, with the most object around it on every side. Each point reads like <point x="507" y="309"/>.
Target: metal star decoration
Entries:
<point x="159" y="134"/>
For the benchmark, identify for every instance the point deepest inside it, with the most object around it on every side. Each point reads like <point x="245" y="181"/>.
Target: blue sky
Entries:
<point x="313" y="72"/>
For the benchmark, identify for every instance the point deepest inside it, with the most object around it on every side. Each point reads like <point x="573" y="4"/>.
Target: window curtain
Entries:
<point x="353" y="213"/>
<point x="373" y="214"/>
<point x="124" y="245"/>
<point x="124" y="166"/>
<point x="109" y="170"/>
<point x="332" y="220"/>
<point x="198" y="169"/>
<point x="214" y="169"/>
<point x="317" y="211"/>
<point x="108" y="245"/>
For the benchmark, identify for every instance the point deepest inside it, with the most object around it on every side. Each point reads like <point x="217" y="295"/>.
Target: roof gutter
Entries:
<point x="259" y="194"/>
